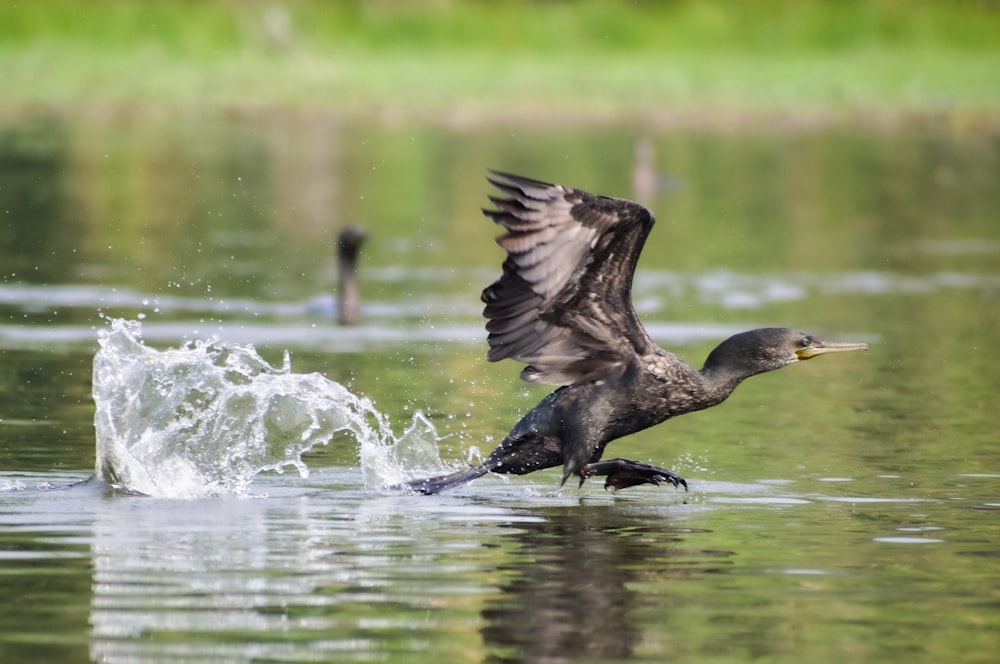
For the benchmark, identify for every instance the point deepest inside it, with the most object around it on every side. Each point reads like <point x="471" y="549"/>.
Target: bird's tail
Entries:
<point x="432" y="485"/>
<point x="524" y="450"/>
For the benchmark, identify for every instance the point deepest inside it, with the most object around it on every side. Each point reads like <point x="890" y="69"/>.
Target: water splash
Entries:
<point x="204" y="419"/>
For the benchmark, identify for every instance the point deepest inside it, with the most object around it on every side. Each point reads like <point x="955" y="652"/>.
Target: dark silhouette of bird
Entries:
<point x="563" y="306"/>
<point x="349" y="243"/>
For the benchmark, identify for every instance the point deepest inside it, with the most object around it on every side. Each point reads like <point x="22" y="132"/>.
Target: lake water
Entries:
<point x="846" y="509"/>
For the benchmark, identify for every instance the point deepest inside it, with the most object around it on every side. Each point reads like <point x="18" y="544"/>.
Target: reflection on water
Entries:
<point x="843" y="511"/>
<point x="573" y="586"/>
<point x="251" y="210"/>
<point x="319" y="569"/>
<point x="305" y="324"/>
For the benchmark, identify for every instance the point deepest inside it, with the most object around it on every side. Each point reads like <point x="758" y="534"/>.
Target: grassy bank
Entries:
<point x="470" y="62"/>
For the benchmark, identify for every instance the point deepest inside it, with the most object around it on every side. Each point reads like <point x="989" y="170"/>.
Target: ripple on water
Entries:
<point x="804" y="571"/>
<point x="872" y="499"/>
<point x="907" y="540"/>
<point x="760" y="500"/>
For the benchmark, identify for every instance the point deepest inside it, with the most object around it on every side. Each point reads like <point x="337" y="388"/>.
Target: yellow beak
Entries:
<point x="824" y="347"/>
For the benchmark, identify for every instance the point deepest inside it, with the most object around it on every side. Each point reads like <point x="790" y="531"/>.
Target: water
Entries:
<point x="840" y="509"/>
<point x="206" y="419"/>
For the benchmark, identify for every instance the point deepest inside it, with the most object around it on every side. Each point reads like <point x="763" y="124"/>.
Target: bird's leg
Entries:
<point x="623" y="473"/>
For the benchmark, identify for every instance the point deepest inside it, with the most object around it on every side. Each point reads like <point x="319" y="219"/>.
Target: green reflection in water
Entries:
<point x="890" y="237"/>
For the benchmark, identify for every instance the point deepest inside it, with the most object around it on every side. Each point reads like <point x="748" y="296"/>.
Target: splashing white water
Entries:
<point x="206" y="418"/>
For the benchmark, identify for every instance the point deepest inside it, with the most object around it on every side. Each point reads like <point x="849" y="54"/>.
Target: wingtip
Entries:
<point x="500" y="179"/>
<point x="497" y="173"/>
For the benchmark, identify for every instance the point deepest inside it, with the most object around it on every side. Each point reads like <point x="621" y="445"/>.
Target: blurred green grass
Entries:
<point x="506" y="59"/>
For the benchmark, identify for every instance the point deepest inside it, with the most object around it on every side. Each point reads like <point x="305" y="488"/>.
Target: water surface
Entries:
<point x="841" y="509"/>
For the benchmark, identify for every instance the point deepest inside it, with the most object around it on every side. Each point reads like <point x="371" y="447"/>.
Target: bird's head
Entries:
<point x="766" y="349"/>
<point x="349" y="241"/>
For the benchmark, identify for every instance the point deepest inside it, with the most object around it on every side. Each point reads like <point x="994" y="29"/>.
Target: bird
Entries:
<point x="349" y="242"/>
<point x="563" y="307"/>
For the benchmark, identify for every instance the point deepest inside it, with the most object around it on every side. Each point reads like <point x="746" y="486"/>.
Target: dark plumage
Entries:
<point x="563" y="306"/>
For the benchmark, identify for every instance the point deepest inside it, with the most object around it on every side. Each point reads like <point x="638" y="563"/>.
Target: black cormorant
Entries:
<point x="563" y="306"/>
<point x="349" y="243"/>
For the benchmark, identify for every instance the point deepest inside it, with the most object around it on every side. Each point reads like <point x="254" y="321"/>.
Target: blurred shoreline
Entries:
<point x="760" y="65"/>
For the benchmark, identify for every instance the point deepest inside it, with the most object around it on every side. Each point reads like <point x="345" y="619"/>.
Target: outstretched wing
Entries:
<point x="564" y="303"/>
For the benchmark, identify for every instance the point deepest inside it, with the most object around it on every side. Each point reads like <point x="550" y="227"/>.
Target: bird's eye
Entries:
<point x="806" y="341"/>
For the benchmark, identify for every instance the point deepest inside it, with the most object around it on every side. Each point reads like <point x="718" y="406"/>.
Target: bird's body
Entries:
<point x="563" y="306"/>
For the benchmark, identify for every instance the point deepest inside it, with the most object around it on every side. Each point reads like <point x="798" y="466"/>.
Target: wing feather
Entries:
<point x="563" y="304"/>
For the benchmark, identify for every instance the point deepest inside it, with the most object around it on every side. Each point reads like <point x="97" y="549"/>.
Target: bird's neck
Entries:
<point x="733" y="361"/>
<point x="347" y="291"/>
<point x="718" y="383"/>
<point x="726" y="367"/>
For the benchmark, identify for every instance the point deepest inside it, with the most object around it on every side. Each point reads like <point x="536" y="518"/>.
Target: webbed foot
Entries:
<point x="623" y="473"/>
